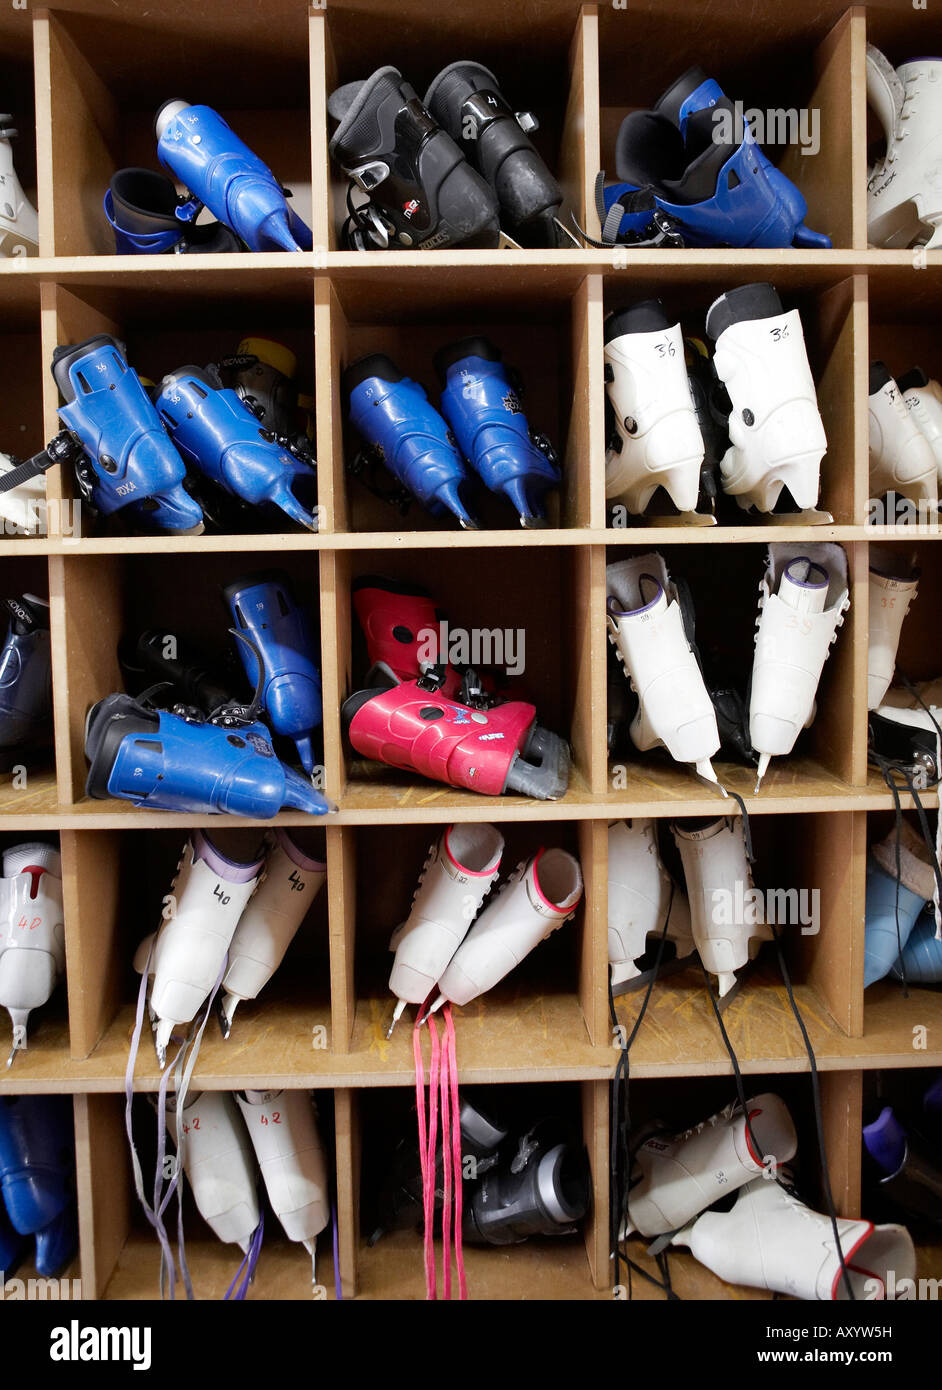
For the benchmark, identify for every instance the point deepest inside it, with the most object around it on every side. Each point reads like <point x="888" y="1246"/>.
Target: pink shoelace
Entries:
<point x="443" y="1094"/>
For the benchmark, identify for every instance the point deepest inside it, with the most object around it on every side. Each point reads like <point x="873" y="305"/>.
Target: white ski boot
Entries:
<point x="922" y="397"/>
<point x="901" y="459"/>
<point x="206" y="901"/>
<point x="32" y="933"/>
<point x="459" y="872"/>
<point x="219" y="1163"/>
<point x="660" y="444"/>
<point x="19" y="225"/>
<point x="267" y="926"/>
<point x="539" y="896"/>
<point x="24" y="506"/>
<point x="719" y="889"/>
<point x="646" y="627"/>
<point x="890" y="599"/>
<point x="641" y="897"/>
<point x="283" y="1130"/>
<point x="802" y="600"/>
<point x="770" y="1240"/>
<point x="904" y="188"/>
<point x="677" y="1178"/>
<point x="776" y="436"/>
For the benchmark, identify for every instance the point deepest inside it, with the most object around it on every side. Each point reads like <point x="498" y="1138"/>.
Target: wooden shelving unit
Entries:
<point x="92" y="72"/>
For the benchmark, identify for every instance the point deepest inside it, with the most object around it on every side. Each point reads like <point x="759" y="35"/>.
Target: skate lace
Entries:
<point x="443" y="1094"/>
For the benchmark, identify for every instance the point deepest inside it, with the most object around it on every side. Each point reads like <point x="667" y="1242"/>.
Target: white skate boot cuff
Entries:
<point x="34" y="855"/>
<point x="623" y="580"/>
<point x="474" y="850"/>
<point x="916" y="872"/>
<point x="297" y="855"/>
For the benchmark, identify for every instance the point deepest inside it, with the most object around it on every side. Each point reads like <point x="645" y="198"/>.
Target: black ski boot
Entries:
<point x="466" y="100"/>
<point x="25" y="682"/>
<point x="421" y="192"/>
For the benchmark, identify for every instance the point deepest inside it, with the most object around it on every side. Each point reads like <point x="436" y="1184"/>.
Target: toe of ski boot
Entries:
<point x="541" y="769"/>
<point x="921" y="960"/>
<point x="56" y="1244"/>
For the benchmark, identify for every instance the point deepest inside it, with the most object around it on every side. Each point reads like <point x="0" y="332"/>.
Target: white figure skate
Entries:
<point x="641" y="898"/>
<point x="802" y="600"/>
<point x="461" y="868"/>
<point x="19" y="225"/>
<point x="904" y="188"/>
<point x="722" y="911"/>
<point x="646" y="627"/>
<point x="219" y="1163"/>
<point x="901" y="459"/>
<point x="283" y="1130"/>
<point x="32" y="933"/>
<point x="539" y="896"/>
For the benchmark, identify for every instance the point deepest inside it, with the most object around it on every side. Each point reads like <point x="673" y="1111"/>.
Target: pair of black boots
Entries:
<point x="450" y="172"/>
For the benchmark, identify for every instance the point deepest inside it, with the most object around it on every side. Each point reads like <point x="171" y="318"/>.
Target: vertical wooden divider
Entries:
<point x="586" y="664"/>
<point x="857" y="22"/>
<point x="78" y="160"/>
<point x="335" y="659"/>
<point x="42" y="85"/>
<point x="349" y="1149"/>
<point x="91" y="883"/>
<point x="860" y="367"/>
<point x="330" y="333"/>
<point x="103" y="1184"/>
<point x="842" y="1112"/>
<point x="341" y="909"/>
<point x="593" y="856"/>
<point x="595" y="1127"/>
<point x="579" y="155"/>
<point x="833" y="959"/>
<point x="320" y="171"/>
<point x="584" y="465"/>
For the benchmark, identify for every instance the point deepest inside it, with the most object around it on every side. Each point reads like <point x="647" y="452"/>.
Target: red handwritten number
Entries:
<point x="196" y="1123"/>
<point x="276" y="1117"/>
<point x="24" y="925"/>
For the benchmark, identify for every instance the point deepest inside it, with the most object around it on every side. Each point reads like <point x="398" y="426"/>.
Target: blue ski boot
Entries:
<point x="129" y="461"/>
<point x="888" y="929"/>
<point x="921" y="959"/>
<point x="57" y="1243"/>
<point x="223" y="174"/>
<point x="701" y="161"/>
<point x="12" y="1244"/>
<point x="407" y="435"/>
<point x="25" y="682"/>
<point x="483" y="409"/>
<point x="631" y="217"/>
<point x="263" y="607"/>
<point x="141" y="208"/>
<point x="219" y="435"/>
<point x="37" y="1160"/>
<point x="179" y="762"/>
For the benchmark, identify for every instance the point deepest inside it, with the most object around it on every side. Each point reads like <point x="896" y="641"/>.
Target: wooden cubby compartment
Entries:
<point x="68" y="1283"/>
<point x="171" y="321"/>
<point x="119" y="882"/>
<point x="30" y="787"/>
<point x="679" y="1105"/>
<point x="827" y="305"/>
<point x="725" y="614"/>
<point x="551" y="1268"/>
<point x="545" y="609"/>
<point x="812" y="854"/>
<point x="798" y="66"/>
<point x="47" y="1029"/>
<point x="903" y="1089"/>
<point x="556" y="82"/>
<point x="106" y="78"/>
<point x="541" y="325"/>
<point x="107" y="597"/>
<point x="124" y="1257"/>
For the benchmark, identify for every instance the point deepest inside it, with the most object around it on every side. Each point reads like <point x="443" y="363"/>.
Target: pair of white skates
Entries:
<point x="449" y="941"/>
<point x="32" y="933"/>
<point x="225" y="922"/>
<point x="768" y="1238"/>
<point x="776" y="437"/>
<point x="905" y="437"/>
<point x="802" y="599"/>
<point x="226" y="1139"/>
<point x="713" y="918"/>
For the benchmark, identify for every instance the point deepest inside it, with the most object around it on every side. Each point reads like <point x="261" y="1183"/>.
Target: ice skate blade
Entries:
<point x="811" y="516"/>
<point x="661" y="972"/>
<point x="19" y="1042"/>
<point x="222" y="1018"/>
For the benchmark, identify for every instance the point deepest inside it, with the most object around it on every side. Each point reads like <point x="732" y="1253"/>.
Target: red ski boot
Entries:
<point x="485" y="747"/>
<point x="401" y="626"/>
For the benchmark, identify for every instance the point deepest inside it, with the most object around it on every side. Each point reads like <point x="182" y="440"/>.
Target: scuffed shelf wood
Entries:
<point x="284" y="1269"/>
<point x="537" y="1269"/>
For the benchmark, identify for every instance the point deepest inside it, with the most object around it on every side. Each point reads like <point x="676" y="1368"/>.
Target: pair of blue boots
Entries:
<point x="480" y="424"/>
<point x="37" y="1183"/>
<point x="900" y="939"/>
<point x="222" y="759"/>
<point x="137" y="450"/>
<point x="220" y="173"/>
<point x="699" y="160"/>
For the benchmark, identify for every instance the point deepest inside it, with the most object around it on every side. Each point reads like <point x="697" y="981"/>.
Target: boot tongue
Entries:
<point x="653" y="597"/>
<point x="804" y="586"/>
